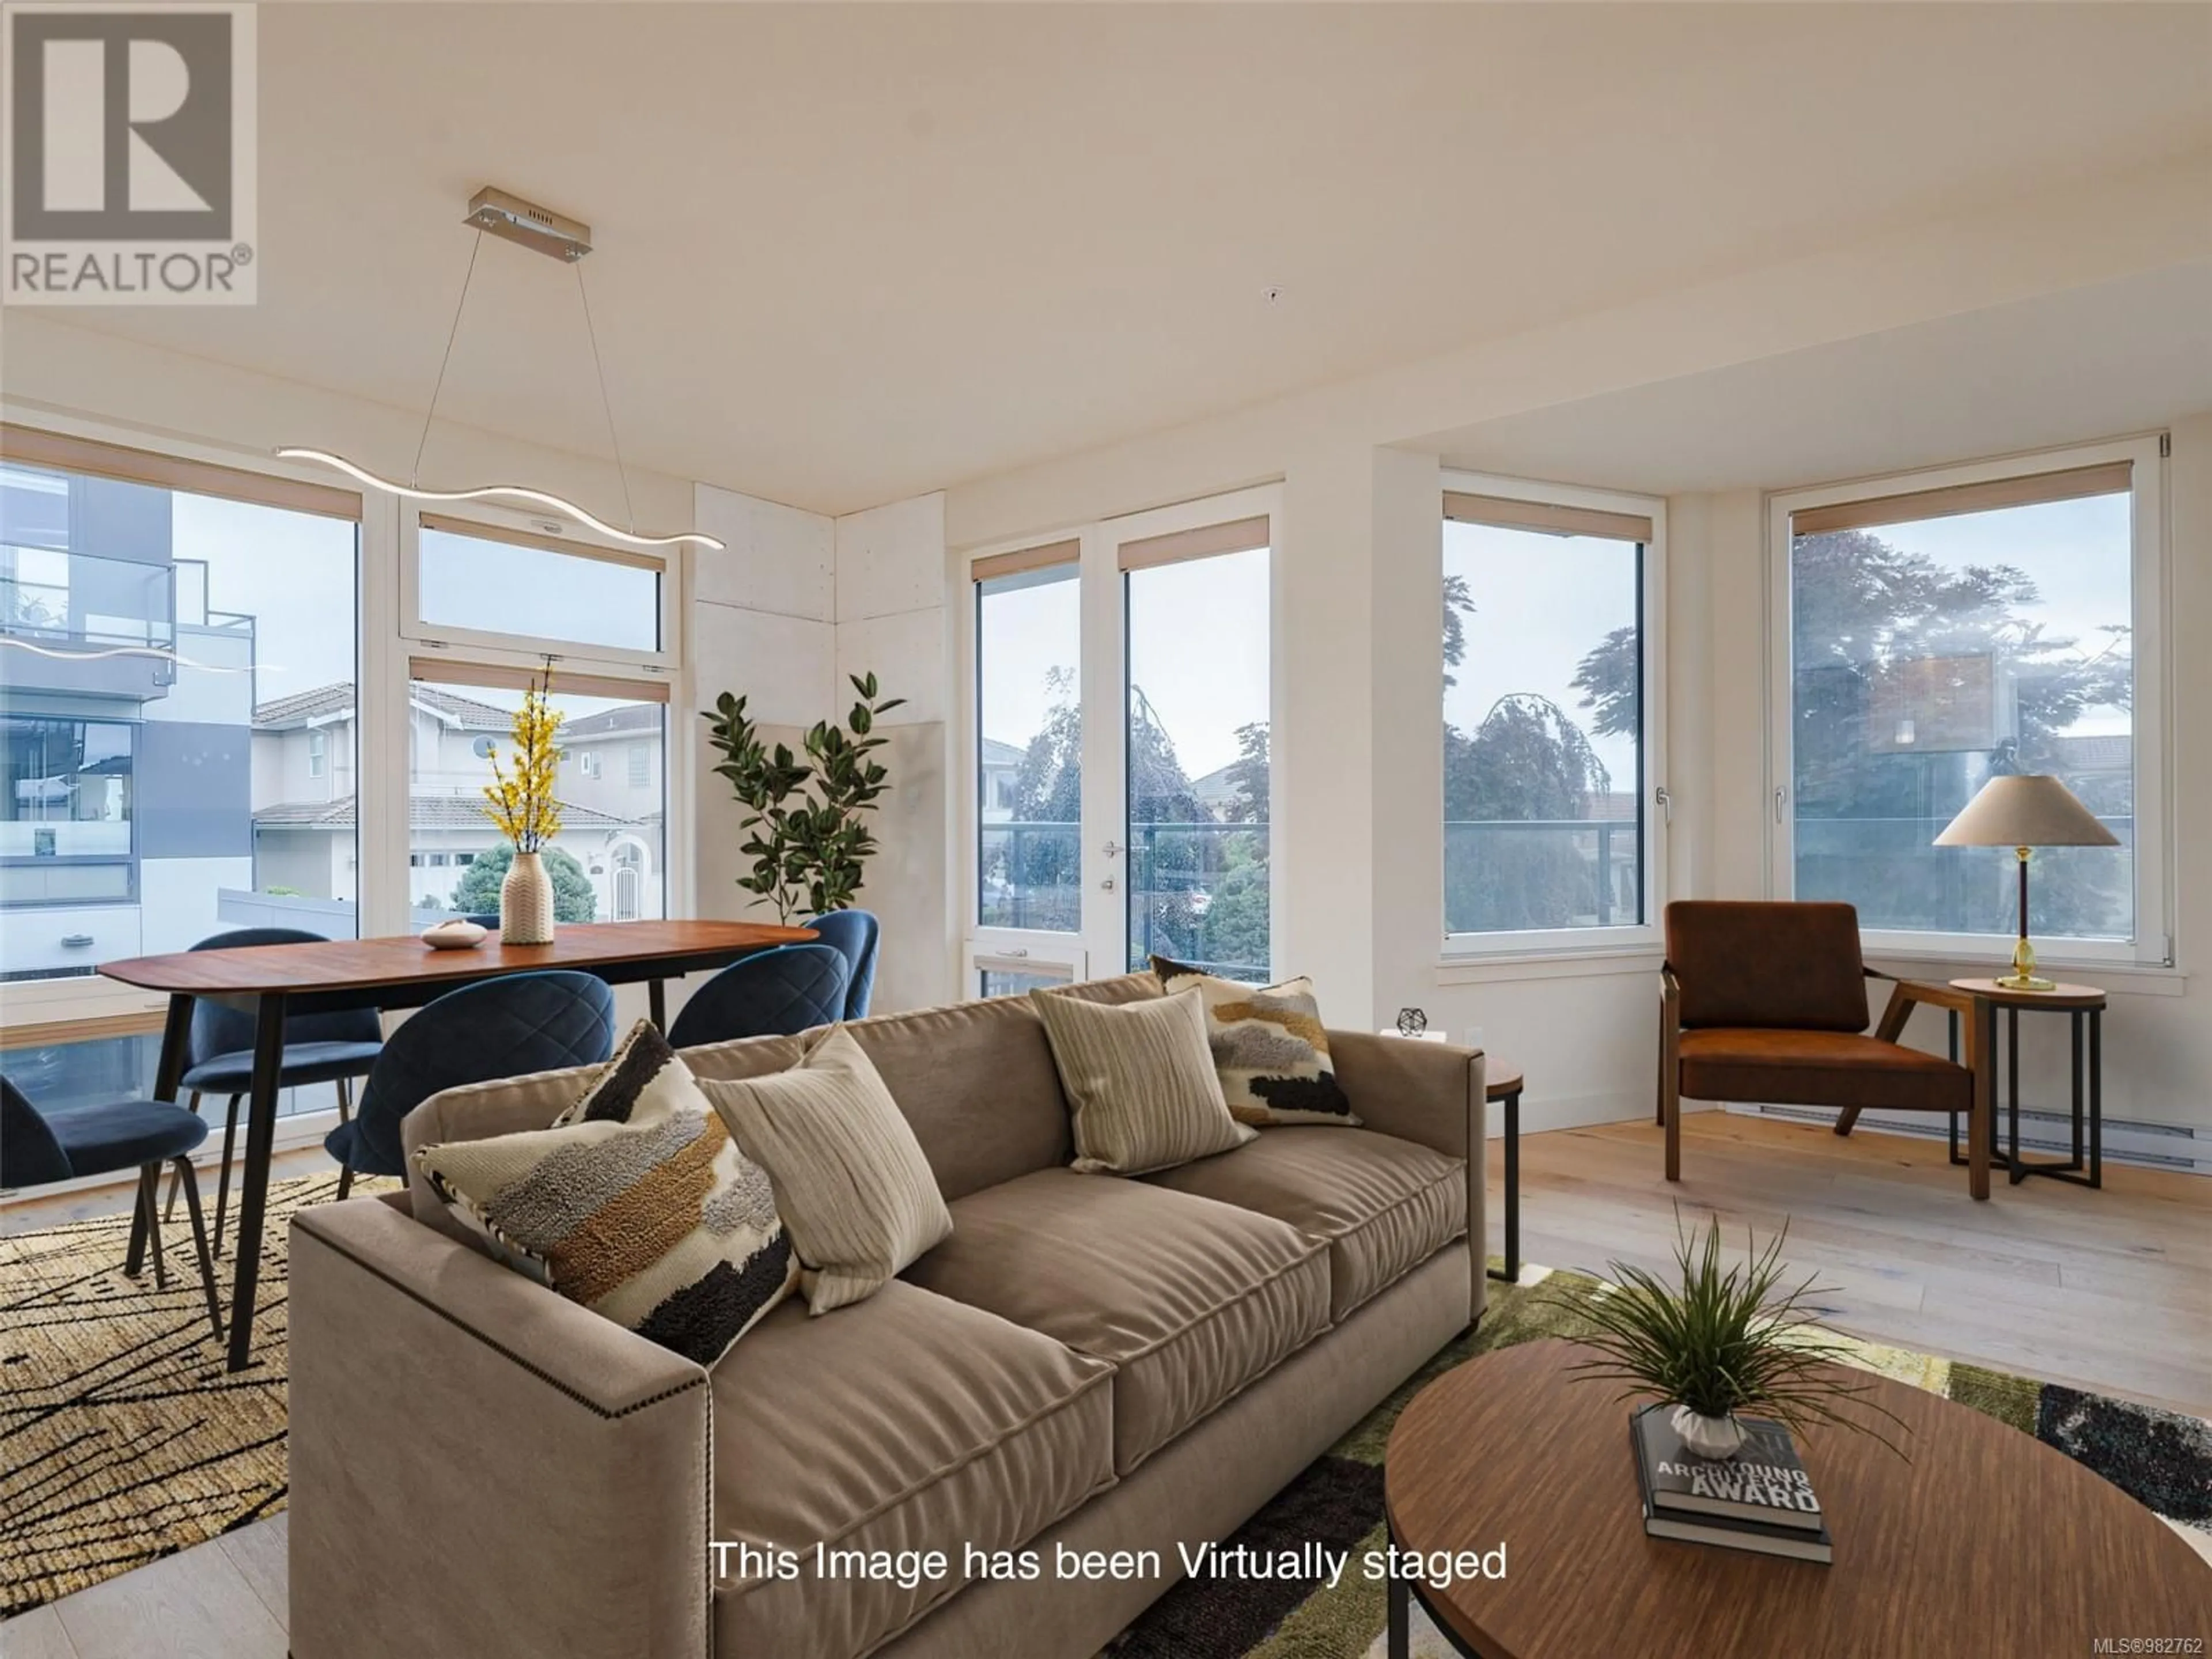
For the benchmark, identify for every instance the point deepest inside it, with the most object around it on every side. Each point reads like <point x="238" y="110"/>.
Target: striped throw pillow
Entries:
<point x="1140" y="1081"/>
<point x="1269" y="1047"/>
<point x="851" y="1181"/>
<point x="635" y="1203"/>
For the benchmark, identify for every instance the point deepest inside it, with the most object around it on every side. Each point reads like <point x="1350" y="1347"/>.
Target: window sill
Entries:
<point x="1485" y="968"/>
<point x="2123" y="978"/>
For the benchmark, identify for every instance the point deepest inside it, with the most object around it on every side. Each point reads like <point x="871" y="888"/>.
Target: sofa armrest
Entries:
<point x="1431" y="1094"/>
<point x="479" y="1465"/>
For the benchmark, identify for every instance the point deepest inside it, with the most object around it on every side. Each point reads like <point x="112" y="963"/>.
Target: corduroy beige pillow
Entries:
<point x="1139" y="1077"/>
<point x="855" y="1192"/>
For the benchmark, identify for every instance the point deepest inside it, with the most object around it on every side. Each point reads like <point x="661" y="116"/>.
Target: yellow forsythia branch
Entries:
<point x="522" y="804"/>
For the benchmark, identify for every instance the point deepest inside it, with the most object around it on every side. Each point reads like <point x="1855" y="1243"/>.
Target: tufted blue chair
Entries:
<point x="853" y="934"/>
<point x="777" y="993"/>
<point x="40" y="1148"/>
<point x="495" y="1029"/>
<point x="317" y="1049"/>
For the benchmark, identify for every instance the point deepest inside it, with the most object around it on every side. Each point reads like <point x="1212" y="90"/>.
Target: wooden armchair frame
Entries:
<point x="1905" y="993"/>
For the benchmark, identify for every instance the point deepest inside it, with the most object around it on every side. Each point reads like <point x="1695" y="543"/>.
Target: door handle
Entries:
<point x="1107" y="885"/>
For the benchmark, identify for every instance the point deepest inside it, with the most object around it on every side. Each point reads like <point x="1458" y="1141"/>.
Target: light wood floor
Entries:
<point x="2109" y="1291"/>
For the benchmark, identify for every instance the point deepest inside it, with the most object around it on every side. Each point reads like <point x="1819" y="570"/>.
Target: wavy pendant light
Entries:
<point x="545" y="232"/>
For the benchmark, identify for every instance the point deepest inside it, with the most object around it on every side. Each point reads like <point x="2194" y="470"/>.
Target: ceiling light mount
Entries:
<point x="540" y="229"/>
<point x="500" y="213"/>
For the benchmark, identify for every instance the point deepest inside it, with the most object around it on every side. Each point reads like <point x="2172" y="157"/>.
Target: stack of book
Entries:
<point x="1757" y="1500"/>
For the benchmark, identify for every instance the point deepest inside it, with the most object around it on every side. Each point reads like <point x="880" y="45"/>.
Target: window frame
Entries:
<point x="2152" y="945"/>
<point x="548" y="535"/>
<point x="1103" y="682"/>
<point x="1655" y="807"/>
<point x="82" y="1007"/>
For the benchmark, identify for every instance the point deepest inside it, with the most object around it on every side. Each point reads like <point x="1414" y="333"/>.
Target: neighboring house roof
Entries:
<point x="614" y="722"/>
<point x="423" y="812"/>
<point x="328" y="702"/>
<point x="996" y="753"/>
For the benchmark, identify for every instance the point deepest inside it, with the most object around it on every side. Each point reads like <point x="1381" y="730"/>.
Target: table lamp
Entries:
<point x="2022" y="812"/>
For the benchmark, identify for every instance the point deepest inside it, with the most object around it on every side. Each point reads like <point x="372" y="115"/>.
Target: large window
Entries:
<point x="1196" y="611"/>
<point x="176" y="718"/>
<point x="1548" y="673"/>
<point x="1029" y="734"/>
<point x="489" y="583"/>
<point x="609" y="863"/>
<point x="1944" y="631"/>
<point x="1121" y="794"/>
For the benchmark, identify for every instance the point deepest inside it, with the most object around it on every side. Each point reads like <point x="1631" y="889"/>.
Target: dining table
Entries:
<point x="273" y="982"/>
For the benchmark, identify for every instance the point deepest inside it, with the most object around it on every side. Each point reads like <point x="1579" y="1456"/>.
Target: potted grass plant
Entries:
<point x="1722" y="1343"/>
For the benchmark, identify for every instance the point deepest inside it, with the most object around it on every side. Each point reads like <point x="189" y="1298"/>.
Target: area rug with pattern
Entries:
<point x="123" y="1438"/>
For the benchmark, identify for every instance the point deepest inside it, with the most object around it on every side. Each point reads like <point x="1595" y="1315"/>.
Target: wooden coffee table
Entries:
<point x="1988" y="1542"/>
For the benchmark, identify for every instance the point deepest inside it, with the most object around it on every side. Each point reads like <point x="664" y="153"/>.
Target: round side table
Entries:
<point x="2085" y="1004"/>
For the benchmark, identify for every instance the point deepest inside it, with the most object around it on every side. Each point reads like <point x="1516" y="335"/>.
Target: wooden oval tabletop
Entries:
<point x="340" y="962"/>
<point x="2058" y="996"/>
<point x="1988" y="1542"/>
<point x="1501" y="1078"/>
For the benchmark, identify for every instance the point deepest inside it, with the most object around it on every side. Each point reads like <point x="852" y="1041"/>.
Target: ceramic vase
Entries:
<point x="525" y="902"/>
<point x="1708" y="1437"/>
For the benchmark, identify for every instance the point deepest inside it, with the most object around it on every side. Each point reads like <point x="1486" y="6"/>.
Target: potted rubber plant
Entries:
<point x="1722" y="1343"/>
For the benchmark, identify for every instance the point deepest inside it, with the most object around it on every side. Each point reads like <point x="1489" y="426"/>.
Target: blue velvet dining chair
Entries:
<point x="853" y="934"/>
<point x="39" y="1148"/>
<point x="495" y="1028"/>
<point x="778" y="993"/>
<point x="317" y="1049"/>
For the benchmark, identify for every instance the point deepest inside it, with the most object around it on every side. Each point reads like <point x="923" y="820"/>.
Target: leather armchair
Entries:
<point x="1766" y="1002"/>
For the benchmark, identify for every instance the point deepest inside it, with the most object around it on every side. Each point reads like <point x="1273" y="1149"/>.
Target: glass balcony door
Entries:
<point x="1121" y="700"/>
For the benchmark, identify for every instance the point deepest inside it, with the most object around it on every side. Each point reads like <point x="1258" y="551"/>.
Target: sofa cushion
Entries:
<point x="1190" y="1299"/>
<point x="851" y="1182"/>
<point x="1270" y="1048"/>
<point x="1140" y="1080"/>
<point x="904" y="1422"/>
<point x="1819" y="1068"/>
<point x="636" y="1203"/>
<point x="1383" y="1205"/>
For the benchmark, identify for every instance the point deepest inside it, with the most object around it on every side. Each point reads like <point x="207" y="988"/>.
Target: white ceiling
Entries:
<point x="2103" y="361"/>
<point x="851" y="253"/>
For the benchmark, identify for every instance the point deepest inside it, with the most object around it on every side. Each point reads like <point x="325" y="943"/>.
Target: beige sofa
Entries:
<point x="480" y="1466"/>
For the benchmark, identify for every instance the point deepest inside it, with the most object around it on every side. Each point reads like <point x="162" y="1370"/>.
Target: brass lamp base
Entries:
<point x="2023" y="976"/>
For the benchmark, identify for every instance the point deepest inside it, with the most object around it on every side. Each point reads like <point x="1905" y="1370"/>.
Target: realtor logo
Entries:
<point x="130" y="155"/>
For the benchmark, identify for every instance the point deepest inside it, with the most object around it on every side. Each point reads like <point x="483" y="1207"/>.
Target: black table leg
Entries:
<point x="253" y="1179"/>
<point x="1953" y="1018"/>
<point x="1399" y="1643"/>
<point x="657" y="1001"/>
<point x="2014" y="1172"/>
<point x="2096" y="1096"/>
<point x="2077" y="1090"/>
<point x="1512" y="1273"/>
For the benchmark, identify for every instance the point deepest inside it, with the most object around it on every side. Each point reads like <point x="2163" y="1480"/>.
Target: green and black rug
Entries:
<point x="2161" y="1459"/>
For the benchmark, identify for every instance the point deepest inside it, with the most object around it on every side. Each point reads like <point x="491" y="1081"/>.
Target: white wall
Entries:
<point x="892" y="621"/>
<point x="798" y="605"/>
<point x="1357" y="550"/>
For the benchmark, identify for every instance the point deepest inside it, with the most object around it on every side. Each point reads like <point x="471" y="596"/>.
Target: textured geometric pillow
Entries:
<point x="1140" y="1081"/>
<point x="635" y="1203"/>
<point x="851" y="1180"/>
<point x="1269" y="1047"/>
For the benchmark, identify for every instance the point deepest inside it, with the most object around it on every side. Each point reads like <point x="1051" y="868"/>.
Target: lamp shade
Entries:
<point x="2026" y="812"/>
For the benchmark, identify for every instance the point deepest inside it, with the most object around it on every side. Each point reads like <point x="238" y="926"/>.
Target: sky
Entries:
<point x="1541" y="604"/>
<point x="1197" y="647"/>
<point x="2078" y="553"/>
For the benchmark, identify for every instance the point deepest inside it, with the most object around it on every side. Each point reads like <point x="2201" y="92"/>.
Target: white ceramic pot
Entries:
<point x="525" y="902"/>
<point x="1708" y="1437"/>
